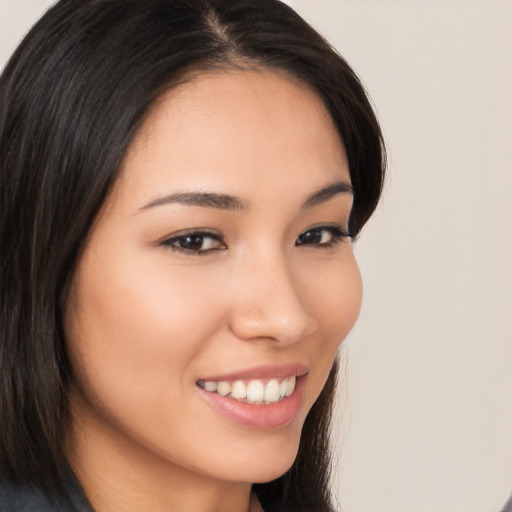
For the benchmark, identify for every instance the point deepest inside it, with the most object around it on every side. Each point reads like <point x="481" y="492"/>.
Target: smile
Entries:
<point x="254" y="392"/>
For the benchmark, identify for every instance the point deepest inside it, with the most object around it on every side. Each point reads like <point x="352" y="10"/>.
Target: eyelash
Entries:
<point x="336" y="232"/>
<point x="337" y="235"/>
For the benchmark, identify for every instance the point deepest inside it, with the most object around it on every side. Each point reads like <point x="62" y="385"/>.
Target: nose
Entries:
<point x="269" y="303"/>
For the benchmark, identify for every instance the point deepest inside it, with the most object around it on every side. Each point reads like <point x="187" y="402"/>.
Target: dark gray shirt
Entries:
<point x="25" y="498"/>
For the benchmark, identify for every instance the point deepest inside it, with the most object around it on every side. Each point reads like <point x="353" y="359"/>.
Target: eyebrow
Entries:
<point x="328" y="192"/>
<point x="204" y="199"/>
<point x="228" y="202"/>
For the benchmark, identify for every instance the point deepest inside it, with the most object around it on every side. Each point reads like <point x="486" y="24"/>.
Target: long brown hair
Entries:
<point x="71" y="99"/>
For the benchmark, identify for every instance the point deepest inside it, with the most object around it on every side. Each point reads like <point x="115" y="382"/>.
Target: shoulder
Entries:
<point x="26" y="498"/>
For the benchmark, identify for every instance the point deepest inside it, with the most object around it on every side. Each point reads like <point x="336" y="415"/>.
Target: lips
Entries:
<point x="264" y="397"/>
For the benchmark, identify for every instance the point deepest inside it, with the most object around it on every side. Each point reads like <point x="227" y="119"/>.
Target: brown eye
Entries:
<point x="322" y="236"/>
<point x="195" y="243"/>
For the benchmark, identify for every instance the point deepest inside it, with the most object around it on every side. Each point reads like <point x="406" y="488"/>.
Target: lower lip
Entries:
<point x="259" y="416"/>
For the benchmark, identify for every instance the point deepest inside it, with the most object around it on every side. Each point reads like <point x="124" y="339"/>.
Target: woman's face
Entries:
<point x="219" y="264"/>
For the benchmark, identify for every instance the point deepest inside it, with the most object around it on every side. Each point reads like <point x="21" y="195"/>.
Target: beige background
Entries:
<point x="427" y="424"/>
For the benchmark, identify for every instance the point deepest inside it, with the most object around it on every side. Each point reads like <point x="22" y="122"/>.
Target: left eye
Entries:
<point x="322" y="235"/>
<point x="196" y="242"/>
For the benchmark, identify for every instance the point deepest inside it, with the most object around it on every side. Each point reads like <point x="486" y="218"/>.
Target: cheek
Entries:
<point x="136" y="327"/>
<point x="134" y="335"/>
<point x="334" y="299"/>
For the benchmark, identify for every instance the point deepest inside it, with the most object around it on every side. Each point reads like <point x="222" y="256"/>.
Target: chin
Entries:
<point x="271" y="471"/>
<point x="266" y="463"/>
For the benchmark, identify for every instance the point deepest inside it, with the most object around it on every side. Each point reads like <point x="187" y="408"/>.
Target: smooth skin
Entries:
<point x="151" y="312"/>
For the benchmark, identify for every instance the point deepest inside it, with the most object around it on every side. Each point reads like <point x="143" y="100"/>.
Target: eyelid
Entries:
<point x="328" y="225"/>
<point x="191" y="231"/>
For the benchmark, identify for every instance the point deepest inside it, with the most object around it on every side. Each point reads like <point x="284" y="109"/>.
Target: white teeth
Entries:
<point x="255" y="392"/>
<point x="238" y="390"/>
<point x="272" y="391"/>
<point x="282" y="388"/>
<point x="223" y="388"/>
<point x="209" y="385"/>
<point x="290" y="386"/>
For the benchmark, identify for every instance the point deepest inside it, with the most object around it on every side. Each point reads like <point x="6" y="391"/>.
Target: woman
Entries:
<point x="181" y="181"/>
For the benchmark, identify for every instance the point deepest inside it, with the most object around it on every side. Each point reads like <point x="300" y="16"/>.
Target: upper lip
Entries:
<point x="266" y="371"/>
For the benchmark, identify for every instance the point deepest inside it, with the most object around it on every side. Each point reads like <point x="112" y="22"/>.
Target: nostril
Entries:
<point x="286" y="325"/>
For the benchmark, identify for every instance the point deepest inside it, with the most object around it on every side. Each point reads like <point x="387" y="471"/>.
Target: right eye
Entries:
<point x="195" y="242"/>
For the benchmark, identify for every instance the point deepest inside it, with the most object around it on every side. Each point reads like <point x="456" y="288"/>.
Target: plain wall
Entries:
<point x="426" y="397"/>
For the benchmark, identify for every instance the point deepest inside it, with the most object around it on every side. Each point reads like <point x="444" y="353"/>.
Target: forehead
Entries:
<point x="235" y="128"/>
